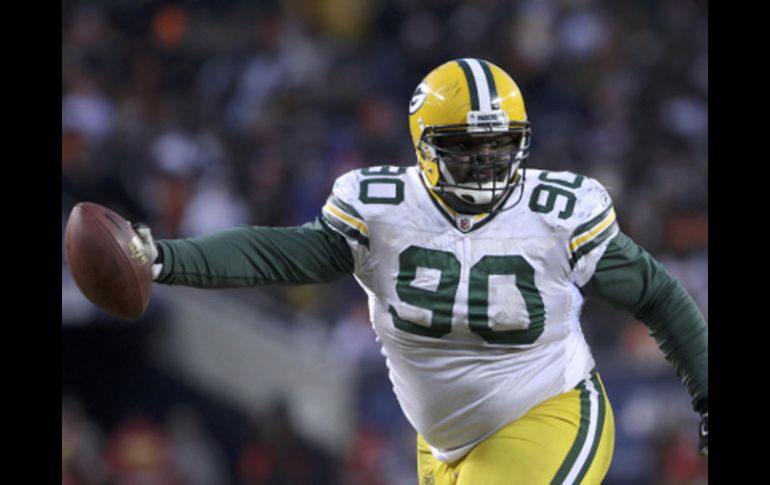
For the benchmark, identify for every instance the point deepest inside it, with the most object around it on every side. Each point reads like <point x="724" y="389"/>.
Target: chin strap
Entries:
<point x="516" y="185"/>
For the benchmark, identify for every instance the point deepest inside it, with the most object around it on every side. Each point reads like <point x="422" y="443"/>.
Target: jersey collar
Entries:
<point x="464" y="222"/>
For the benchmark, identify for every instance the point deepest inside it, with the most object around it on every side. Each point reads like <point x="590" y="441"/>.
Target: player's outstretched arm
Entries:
<point x="629" y="278"/>
<point x="250" y="255"/>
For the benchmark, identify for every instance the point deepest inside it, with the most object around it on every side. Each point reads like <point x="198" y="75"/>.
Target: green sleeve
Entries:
<point x="630" y="279"/>
<point x="249" y="256"/>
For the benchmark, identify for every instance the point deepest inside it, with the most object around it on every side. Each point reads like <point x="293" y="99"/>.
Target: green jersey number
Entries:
<point x="415" y="263"/>
<point x="440" y="299"/>
<point x="544" y="205"/>
<point x="380" y="188"/>
<point x="478" y="304"/>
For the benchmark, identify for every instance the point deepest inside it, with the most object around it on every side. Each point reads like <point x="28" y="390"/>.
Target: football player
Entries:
<point x="476" y="269"/>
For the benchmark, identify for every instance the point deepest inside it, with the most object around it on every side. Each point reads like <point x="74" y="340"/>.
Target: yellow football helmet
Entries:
<point x="470" y="130"/>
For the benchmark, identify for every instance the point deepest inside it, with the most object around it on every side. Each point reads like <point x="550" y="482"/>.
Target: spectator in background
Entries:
<point x="352" y="338"/>
<point x="676" y="465"/>
<point x="81" y="442"/>
<point x="139" y="452"/>
<point x="368" y="459"/>
<point x="276" y="455"/>
<point x="196" y="455"/>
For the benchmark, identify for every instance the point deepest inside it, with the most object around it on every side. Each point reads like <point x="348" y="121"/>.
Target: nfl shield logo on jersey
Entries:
<point x="464" y="223"/>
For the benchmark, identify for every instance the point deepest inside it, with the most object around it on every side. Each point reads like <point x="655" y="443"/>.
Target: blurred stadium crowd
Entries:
<point x="198" y="115"/>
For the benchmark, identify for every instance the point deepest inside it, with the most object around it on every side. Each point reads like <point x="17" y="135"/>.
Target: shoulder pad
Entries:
<point x="595" y="221"/>
<point x="575" y="205"/>
<point x="360" y="195"/>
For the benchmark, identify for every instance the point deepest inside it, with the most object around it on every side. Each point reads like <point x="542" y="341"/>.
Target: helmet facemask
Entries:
<point x="477" y="167"/>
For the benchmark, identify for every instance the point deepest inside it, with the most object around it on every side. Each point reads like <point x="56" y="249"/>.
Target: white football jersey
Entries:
<point x="478" y="316"/>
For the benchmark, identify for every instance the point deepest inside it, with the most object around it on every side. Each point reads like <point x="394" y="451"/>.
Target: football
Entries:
<point x="106" y="259"/>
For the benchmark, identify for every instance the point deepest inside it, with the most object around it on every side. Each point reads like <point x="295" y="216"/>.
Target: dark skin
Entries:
<point x="477" y="158"/>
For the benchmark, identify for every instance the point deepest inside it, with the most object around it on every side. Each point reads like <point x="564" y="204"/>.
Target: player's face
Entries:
<point x="478" y="159"/>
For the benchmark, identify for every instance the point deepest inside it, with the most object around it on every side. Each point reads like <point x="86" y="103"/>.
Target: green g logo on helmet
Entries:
<point x="418" y="98"/>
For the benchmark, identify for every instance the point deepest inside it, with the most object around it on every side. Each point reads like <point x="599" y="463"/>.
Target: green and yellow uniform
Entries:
<point x="478" y="315"/>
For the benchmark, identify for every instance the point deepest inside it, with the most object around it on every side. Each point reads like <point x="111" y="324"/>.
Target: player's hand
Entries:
<point x="703" y="434"/>
<point x="148" y="244"/>
<point x="144" y="233"/>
